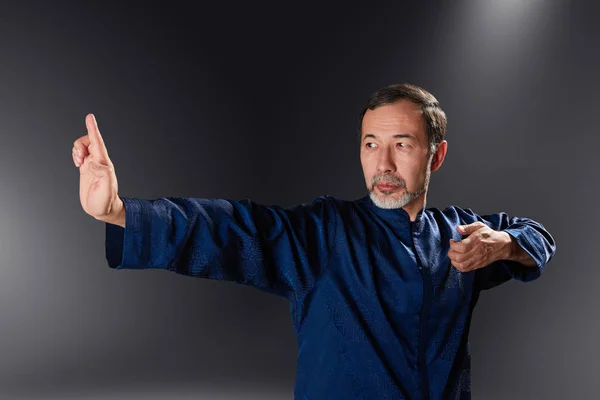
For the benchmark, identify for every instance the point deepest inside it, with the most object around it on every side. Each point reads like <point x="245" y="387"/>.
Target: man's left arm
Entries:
<point x="501" y="248"/>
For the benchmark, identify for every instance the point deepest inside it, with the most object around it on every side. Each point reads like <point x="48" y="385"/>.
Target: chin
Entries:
<point x="394" y="200"/>
<point x="388" y="201"/>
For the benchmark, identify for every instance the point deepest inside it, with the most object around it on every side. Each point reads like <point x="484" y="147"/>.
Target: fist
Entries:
<point x="480" y="247"/>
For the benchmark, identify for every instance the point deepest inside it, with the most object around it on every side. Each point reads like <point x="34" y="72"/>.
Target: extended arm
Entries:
<point x="281" y="251"/>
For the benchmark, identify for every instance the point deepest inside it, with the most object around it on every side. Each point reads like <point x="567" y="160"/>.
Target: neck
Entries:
<point x="413" y="208"/>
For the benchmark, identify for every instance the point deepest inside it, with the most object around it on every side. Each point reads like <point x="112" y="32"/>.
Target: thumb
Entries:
<point x="470" y="228"/>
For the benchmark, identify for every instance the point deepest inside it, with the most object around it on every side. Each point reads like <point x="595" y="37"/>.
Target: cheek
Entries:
<point x="368" y="163"/>
<point x="414" y="174"/>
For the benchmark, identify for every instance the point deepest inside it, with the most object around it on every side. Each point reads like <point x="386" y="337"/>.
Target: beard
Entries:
<point x="389" y="199"/>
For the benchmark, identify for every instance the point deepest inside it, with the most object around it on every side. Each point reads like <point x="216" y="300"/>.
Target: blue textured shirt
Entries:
<point x="378" y="310"/>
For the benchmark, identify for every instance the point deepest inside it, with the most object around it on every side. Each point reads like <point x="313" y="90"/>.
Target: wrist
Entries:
<point x="117" y="214"/>
<point x="508" y="247"/>
<point x="514" y="252"/>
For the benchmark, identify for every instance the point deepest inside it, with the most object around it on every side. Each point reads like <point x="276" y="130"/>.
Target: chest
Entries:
<point x="401" y="271"/>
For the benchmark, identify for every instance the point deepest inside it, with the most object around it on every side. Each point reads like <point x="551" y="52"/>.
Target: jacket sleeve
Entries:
<point x="278" y="250"/>
<point x="530" y="235"/>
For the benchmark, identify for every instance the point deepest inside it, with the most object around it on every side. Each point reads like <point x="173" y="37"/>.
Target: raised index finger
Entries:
<point x="97" y="143"/>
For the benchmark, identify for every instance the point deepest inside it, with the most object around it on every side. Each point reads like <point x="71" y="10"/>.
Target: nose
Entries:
<point x="385" y="162"/>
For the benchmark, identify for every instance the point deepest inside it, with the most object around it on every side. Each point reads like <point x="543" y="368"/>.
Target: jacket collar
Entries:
<point x="391" y="214"/>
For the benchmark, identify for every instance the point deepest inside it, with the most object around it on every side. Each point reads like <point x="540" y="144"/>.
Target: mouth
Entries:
<point x="386" y="187"/>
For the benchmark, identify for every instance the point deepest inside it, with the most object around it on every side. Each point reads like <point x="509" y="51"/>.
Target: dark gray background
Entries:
<point x="261" y="101"/>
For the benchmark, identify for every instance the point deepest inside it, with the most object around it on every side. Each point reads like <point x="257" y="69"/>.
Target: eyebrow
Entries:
<point x="398" y="136"/>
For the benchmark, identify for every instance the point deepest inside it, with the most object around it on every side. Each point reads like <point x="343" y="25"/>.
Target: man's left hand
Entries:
<point x="480" y="247"/>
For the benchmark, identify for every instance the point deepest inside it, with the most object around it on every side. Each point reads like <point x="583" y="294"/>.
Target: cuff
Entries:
<point x="129" y="247"/>
<point x="517" y="270"/>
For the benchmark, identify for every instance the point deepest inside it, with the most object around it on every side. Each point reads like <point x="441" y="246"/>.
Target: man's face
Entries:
<point x="394" y="154"/>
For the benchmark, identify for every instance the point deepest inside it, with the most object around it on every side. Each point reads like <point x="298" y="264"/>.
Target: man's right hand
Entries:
<point x="98" y="188"/>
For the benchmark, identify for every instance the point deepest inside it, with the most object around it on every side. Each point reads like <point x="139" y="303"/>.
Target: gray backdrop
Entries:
<point x="261" y="102"/>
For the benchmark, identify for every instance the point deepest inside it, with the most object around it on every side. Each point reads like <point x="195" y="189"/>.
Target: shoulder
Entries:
<point x="323" y="203"/>
<point x="330" y="203"/>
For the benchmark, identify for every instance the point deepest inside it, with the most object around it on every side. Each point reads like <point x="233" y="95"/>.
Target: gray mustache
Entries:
<point x="388" y="179"/>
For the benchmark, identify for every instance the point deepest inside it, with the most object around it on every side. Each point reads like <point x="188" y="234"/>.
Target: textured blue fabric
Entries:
<point x="379" y="311"/>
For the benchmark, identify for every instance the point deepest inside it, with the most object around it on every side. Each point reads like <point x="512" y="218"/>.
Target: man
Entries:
<point x="381" y="289"/>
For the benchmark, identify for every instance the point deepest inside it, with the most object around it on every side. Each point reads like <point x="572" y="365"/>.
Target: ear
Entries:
<point x="438" y="157"/>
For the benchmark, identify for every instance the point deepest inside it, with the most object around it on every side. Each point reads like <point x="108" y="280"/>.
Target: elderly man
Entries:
<point x="381" y="289"/>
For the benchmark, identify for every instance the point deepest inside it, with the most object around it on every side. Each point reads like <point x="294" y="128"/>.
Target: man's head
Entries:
<point x="402" y="130"/>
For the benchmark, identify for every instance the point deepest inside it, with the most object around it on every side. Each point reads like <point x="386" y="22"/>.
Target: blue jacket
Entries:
<point x="378" y="310"/>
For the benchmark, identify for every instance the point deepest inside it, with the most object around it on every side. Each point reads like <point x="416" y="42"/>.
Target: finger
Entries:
<point x="479" y="257"/>
<point x="460" y="247"/>
<point x="460" y="263"/>
<point x="456" y="257"/>
<point x="470" y="228"/>
<point x="455" y="245"/>
<point x="461" y="266"/>
<point x="99" y="149"/>
<point x="80" y="147"/>
<point x="76" y="161"/>
<point x="468" y="264"/>
<point x="462" y="257"/>
<point x="79" y="153"/>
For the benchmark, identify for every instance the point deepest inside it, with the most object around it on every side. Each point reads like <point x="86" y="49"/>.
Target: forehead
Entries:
<point x="403" y="116"/>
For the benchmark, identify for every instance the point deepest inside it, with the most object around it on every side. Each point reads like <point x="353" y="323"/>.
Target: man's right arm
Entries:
<point x="281" y="251"/>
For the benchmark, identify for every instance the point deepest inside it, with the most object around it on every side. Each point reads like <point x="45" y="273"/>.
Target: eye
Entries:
<point x="368" y="145"/>
<point x="402" y="145"/>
